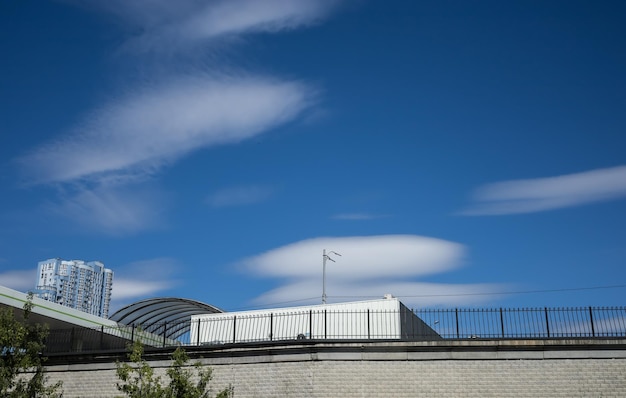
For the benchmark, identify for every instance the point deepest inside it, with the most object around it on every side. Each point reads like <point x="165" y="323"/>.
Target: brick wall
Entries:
<point x="462" y="369"/>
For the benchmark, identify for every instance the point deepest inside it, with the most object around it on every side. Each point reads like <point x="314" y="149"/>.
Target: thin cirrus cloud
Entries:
<point x="141" y="133"/>
<point x="113" y="210"/>
<point x="358" y="216"/>
<point x="368" y="266"/>
<point x="239" y="196"/>
<point x="177" y="26"/>
<point x="143" y="278"/>
<point x="542" y="194"/>
<point x="21" y="280"/>
<point x="227" y="17"/>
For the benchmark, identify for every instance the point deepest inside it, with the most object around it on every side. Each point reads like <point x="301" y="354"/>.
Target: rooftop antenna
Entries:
<point x="324" y="258"/>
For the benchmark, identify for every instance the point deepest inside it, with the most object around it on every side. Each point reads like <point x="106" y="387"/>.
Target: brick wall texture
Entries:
<point x="312" y="377"/>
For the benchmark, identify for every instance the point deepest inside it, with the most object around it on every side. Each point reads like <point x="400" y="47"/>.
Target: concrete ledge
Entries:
<point x="362" y="351"/>
<point x="429" y="356"/>
<point x="339" y="356"/>
<point x="520" y="354"/>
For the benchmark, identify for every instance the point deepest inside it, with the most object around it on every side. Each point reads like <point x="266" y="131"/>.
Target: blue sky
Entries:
<point x="454" y="153"/>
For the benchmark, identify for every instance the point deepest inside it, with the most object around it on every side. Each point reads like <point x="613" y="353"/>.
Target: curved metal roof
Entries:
<point x="167" y="316"/>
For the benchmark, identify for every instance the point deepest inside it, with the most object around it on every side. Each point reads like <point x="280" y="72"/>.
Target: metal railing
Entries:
<point x="424" y="324"/>
<point x="104" y="338"/>
<point x="520" y="323"/>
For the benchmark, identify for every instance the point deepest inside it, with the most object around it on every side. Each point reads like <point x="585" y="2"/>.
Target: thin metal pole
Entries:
<point x="324" y="258"/>
<point x="198" y="339"/>
<point x="324" y="277"/>
<point x="593" y="329"/>
<point x="545" y="309"/>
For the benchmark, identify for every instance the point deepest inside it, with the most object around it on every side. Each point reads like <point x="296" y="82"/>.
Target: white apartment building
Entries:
<point x="85" y="286"/>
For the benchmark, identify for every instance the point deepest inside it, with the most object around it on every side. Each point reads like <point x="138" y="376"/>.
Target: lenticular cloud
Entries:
<point x="179" y="26"/>
<point x="157" y="125"/>
<point x="542" y="194"/>
<point x="369" y="266"/>
<point x="362" y="257"/>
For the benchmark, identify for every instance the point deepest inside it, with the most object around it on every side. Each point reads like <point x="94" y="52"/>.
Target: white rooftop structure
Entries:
<point x="386" y="318"/>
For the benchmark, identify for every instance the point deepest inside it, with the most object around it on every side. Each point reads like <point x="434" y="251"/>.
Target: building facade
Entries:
<point x="85" y="286"/>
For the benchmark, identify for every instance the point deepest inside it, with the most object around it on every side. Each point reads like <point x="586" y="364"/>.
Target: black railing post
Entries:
<point x="198" y="339"/>
<point x="310" y="324"/>
<point x="456" y="312"/>
<point x="132" y="333"/>
<point x="501" y="322"/>
<point x="165" y="332"/>
<point x="368" y="323"/>
<point x="593" y="330"/>
<point x="325" y="325"/>
<point x="235" y="329"/>
<point x="547" y="320"/>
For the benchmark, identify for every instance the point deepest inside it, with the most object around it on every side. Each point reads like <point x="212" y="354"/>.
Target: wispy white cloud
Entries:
<point x="239" y="196"/>
<point x="157" y="123"/>
<point x="177" y="26"/>
<point x="141" y="133"/>
<point x="358" y="216"/>
<point x="541" y="194"/>
<point x="110" y="209"/>
<point x="135" y="289"/>
<point x="133" y="136"/>
<point x="143" y="279"/>
<point x="368" y="266"/>
<point x="242" y="16"/>
<point x="20" y="280"/>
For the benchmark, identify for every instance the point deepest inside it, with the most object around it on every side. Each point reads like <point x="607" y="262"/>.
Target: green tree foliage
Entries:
<point x="139" y="381"/>
<point x="22" y="373"/>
